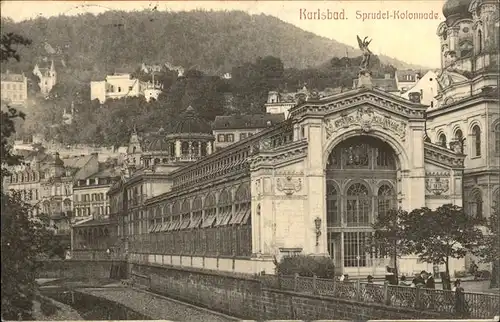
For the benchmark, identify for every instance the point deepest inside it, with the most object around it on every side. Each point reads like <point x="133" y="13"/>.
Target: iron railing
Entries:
<point x="462" y="305"/>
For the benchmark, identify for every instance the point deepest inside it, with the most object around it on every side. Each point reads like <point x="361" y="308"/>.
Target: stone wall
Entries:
<point x="81" y="269"/>
<point x="245" y="297"/>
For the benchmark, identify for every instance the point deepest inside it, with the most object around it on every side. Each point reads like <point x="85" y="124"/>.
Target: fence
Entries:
<point x="463" y="305"/>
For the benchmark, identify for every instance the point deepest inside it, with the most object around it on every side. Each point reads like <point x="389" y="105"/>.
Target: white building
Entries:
<point x="427" y="86"/>
<point x="14" y="89"/>
<point x="406" y="79"/>
<point x="115" y="87"/>
<point x="47" y="75"/>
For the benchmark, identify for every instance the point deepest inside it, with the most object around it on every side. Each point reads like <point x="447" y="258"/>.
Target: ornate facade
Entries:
<point x="315" y="183"/>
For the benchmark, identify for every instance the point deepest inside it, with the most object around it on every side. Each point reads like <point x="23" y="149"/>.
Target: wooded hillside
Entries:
<point x="210" y="41"/>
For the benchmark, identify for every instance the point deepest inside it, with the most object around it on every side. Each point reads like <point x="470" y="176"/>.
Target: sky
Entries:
<point x="411" y="40"/>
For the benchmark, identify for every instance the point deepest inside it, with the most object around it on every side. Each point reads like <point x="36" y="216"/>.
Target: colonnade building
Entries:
<point x="315" y="183"/>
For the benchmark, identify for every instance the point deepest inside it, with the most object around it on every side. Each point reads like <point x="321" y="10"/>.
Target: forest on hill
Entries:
<point x="261" y="52"/>
<point x="112" y="123"/>
<point x="210" y="41"/>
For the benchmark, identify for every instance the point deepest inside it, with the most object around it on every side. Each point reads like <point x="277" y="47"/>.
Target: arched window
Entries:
<point x="210" y="211"/>
<point x="442" y="140"/>
<point x="332" y="206"/>
<point x="185" y="148"/>
<point x="167" y="217"/>
<point x="203" y="149"/>
<point x="197" y="210"/>
<point x="386" y="199"/>
<point x="496" y="198"/>
<point x="358" y="205"/>
<point x="195" y="148"/>
<point x="459" y="138"/>
<point x="476" y="204"/>
<point x="497" y="138"/>
<point x="171" y="149"/>
<point x="176" y="211"/>
<point x="225" y="208"/>
<point x="185" y="214"/>
<point x="476" y="136"/>
<point x="242" y="202"/>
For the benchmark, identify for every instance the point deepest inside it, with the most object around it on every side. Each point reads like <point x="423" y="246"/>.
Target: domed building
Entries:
<point x="466" y="118"/>
<point x="187" y="139"/>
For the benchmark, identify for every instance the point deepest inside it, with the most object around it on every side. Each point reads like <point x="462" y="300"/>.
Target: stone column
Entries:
<point x="177" y="148"/>
<point x="199" y="148"/>
<point x="316" y="190"/>
<point x="190" y="149"/>
<point x="413" y="180"/>
<point x="209" y="148"/>
<point x="454" y="45"/>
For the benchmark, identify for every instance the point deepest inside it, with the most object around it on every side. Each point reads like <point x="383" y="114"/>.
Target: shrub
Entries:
<point x="484" y="274"/>
<point x="306" y="266"/>
<point x="461" y="274"/>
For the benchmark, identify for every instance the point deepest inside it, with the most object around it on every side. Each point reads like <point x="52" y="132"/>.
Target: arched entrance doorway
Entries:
<point x="361" y="180"/>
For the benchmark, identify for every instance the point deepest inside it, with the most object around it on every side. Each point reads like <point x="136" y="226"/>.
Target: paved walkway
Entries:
<point x="155" y="306"/>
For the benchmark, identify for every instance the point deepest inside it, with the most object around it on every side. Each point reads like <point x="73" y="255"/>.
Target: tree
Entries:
<point x="441" y="234"/>
<point x="390" y="235"/>
<point x="24" y="239"/>
<point x="23" y="236"/>
<point x="489" y="250"/>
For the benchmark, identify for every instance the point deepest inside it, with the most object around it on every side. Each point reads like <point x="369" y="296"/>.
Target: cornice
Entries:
<point x="458" y="105"/>
<point x="182" y="192"/>
<point x="285" y="154"/>
<point x="347" y="100"/>
<point x="443" y="157"/>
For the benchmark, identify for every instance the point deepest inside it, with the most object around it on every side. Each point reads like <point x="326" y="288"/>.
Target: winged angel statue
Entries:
<point x="363" y="45"/>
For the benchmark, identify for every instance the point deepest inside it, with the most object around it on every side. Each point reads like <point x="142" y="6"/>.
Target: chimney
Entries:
<point x="387" y="76"/>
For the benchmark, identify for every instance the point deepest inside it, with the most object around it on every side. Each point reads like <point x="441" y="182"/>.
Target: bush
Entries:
<point x="461" y="274"/>
<point x="306" y="266"/>
<point x="484" y="274"/>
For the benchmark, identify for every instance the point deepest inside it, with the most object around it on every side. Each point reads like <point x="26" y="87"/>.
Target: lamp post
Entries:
<point x="317" y="224"/>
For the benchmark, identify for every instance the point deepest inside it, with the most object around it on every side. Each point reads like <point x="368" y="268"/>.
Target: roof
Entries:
<point x="402" y="75"/>
<point x="77" y="162"/>
<point x="255" y="121"/>
<point x="459" y="8"/>
<point x="385" y="84"/>
<point x="190" y="122"/>
<point x="94" y="222"/>
<point x="105" y="173"/>
<point x="8" y="77"/>
<point x="121" y="71"/>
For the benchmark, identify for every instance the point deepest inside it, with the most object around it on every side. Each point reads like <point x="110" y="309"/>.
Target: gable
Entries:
<point x="380" y="101"/>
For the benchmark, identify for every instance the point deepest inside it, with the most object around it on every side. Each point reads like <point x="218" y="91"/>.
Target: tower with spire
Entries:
<point x="47" y="75"/>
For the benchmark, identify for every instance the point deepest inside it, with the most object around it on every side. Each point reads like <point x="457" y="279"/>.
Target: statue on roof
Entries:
<point x="363" y="45"/>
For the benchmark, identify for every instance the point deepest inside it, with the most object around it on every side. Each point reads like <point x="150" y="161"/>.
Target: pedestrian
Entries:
<point x="403" y="281"/>
<point x="473" y="269"/>
<point x="428" y="280"/>
<point x="461" y="308"/>
<point x="418" y="281"/>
